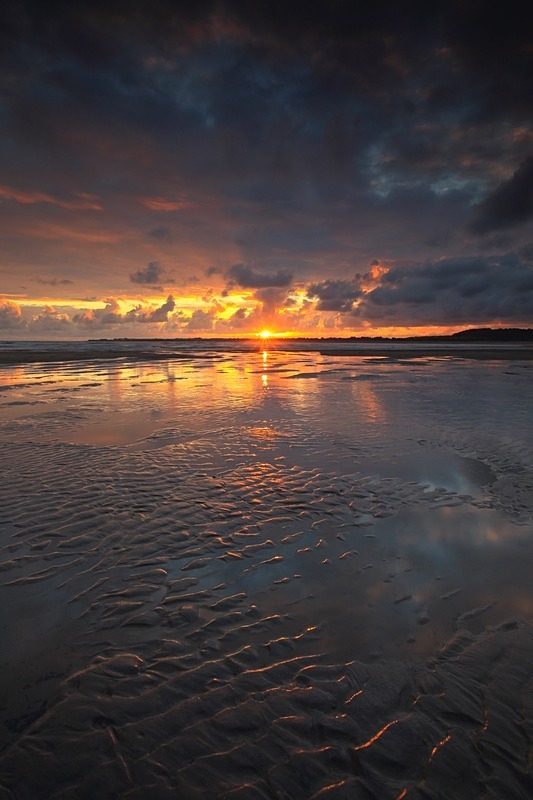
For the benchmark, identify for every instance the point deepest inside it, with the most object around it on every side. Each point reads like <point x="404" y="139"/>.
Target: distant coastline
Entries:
<point x="468" y="335"/>
<point x="479" y="343"/>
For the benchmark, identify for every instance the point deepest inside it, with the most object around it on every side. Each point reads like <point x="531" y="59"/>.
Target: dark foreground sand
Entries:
<point x="258" y="721"/>
<point x="305" y="580"/>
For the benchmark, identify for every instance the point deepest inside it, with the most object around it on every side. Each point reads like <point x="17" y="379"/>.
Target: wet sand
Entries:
<point x="24" y="356"/>
<point x="266" y="575"/>
<point x="87" y="351"/>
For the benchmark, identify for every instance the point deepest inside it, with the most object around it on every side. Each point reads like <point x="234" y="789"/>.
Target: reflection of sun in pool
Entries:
<point x="265" y="334"/>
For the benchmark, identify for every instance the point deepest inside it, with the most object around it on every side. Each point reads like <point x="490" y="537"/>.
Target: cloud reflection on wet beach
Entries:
<point x="356" y="510"/>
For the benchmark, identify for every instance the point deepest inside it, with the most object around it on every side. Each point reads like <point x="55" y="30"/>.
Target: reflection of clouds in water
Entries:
<point x="245" y="520"/>
<point x="437" y="468"/>
<point x="384" y="427"/>
<point x="293" y="523"/>
<point x="424" y="560"/>
<point x="476" y="551"/>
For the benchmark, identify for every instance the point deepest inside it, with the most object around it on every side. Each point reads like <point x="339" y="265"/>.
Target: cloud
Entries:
<point x="160" y="232"/>
<point x="112" y="315"/>
<point x="100" y="317"/>
<point x="10" y="315"/>
<point x="509" y="205"/>
<point x="83" y="202"/>
<point x="238" y="322"/>
<point x="271" y="299"/>
<point x="336" y="295"/>
<point x="267" y="312"/>
<point x="166" y="203"/>
<point x="54" y="281"/>
<point x="200" y="321"/>
<point x="247" y="278"/>
<point x="50" y="321"/>
<point x="153" y="273"/>
<point x="452" y="292"/>
<point x="159" y="314"/>
<point x="305" y="139"/>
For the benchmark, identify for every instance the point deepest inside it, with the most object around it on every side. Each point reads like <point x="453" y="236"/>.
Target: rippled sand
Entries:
<point x="266" y="575"/>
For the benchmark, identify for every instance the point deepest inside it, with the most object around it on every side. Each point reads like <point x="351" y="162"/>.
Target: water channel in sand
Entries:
<point x="346" y="508"/>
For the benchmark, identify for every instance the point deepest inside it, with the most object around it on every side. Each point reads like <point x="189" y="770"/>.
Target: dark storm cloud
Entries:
<point x="336" y="295"/>
<point x="526" y="252"/>
<point x="247" y="278"/>
<point x="453" y="292"/>
<point x="312" y="68"/>
<point x="510" y="204"/>
<point x="315" y="134"/>
<point x="152" y="274"/>
<point x="271" y="298"/>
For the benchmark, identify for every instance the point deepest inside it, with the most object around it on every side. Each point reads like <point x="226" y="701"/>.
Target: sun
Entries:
<point x="265" y="334"/>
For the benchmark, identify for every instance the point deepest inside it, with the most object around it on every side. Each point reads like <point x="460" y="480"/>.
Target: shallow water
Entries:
<point x="198" y="535"/>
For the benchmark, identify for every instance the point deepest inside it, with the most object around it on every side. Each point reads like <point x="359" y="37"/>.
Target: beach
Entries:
<point x="265" y="571"/>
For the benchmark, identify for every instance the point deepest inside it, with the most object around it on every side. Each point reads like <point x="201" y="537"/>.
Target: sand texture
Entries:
<point x="266" y="575"/>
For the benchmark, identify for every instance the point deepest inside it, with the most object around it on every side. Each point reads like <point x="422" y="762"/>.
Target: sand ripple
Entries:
<point x="264" y="721"/>
<point x="267" y="601"/>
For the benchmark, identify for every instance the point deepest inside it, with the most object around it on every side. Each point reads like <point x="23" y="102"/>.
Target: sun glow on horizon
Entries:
<point x="265" y="334"/>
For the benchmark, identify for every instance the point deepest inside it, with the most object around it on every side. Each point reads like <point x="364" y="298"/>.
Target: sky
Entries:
<point x="208" y="168"/>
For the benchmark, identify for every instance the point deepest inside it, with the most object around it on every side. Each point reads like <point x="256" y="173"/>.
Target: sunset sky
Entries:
<point x="212" y="168"/>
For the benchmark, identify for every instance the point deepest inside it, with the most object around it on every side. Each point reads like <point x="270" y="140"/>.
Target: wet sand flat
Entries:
<point x="266" y="575"/>
<point x="134" y="351"/>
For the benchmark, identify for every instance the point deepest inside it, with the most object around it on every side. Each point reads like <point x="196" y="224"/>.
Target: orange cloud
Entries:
<point x="64" y="234"/>
<point x="10" y="315"/>
<point x="166" y="204"/>
<point x="84" y="202"/>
